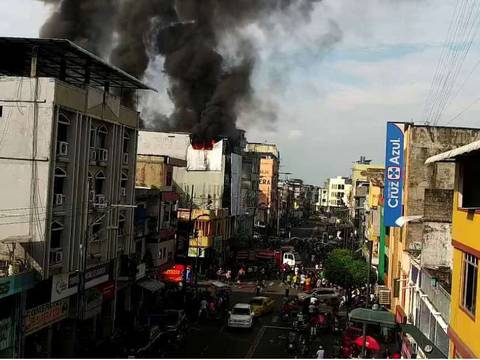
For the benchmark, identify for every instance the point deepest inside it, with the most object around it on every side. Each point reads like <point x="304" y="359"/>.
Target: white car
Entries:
<point x="241" y="316"/>
<point x="320" y="294"/>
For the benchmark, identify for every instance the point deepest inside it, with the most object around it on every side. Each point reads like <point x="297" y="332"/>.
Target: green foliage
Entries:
<point x="343" y="269"/>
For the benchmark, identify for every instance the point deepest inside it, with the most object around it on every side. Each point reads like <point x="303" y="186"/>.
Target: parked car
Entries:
<point x="262" y="305"/>
<point x="241" y="316"/>
<point x="320" y="294"/>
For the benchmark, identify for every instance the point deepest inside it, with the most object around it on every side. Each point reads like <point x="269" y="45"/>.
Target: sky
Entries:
<point x="333" y="98"/>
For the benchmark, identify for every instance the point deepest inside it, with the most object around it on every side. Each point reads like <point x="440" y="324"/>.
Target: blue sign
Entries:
<point x="393" y="174"/>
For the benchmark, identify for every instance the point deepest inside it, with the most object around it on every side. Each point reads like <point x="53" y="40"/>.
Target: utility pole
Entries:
<point x="367" y="302"/>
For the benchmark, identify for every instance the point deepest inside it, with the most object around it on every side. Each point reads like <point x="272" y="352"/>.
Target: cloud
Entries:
<point x="331" y="102"/>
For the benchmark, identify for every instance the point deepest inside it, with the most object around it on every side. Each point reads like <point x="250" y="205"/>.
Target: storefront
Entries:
<point x="38" y="323"/>
<point x="12" y="295"/>
<point x="83" y="327"/>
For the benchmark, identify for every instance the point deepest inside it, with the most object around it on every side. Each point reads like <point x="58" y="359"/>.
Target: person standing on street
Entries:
<point x="259" y="288"/>
<point x="320" y="352"/>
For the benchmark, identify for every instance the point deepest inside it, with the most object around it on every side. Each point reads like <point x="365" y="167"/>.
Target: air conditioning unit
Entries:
<point x="384" y="296"/>
<point x="125" y="159"/>
<point x="100" y="201"/>
<point x="62" y="148"/>
<point x="56" y="256"/>
<point x="93" y="154"/>
<point x="103" y="155"/>
<point x="59" y="199"/>
<point x="123" y="191"/>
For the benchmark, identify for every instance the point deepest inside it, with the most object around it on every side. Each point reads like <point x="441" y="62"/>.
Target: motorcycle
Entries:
<point x="292" y="343"/>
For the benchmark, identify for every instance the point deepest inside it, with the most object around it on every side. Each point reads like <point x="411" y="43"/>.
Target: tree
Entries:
<point x="342" y="269"/>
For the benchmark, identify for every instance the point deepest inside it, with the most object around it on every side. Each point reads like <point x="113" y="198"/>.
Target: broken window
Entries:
<point x="469" y="293"/>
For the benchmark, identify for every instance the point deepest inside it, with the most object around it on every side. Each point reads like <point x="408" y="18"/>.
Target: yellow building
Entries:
<point x="213" y="229"/>
<point x="374" y="214"/>
<point x="464" y="327"/>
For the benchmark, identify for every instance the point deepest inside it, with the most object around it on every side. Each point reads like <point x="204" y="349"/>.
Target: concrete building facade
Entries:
<point x="464" y="324"/>
<point x="421" y="248"/>
<point x="68" y="183"/>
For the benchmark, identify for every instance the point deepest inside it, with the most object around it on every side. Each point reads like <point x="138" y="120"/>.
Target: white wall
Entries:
<point x="16" y="134"/>
<point x="161" y="143"/>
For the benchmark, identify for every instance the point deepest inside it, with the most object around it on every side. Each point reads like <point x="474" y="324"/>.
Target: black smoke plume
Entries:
<point x="89" y="23"/>
<point x="205" y="86"/>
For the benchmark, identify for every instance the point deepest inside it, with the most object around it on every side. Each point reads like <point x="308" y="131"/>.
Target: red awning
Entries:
<point x="265" y="254"/>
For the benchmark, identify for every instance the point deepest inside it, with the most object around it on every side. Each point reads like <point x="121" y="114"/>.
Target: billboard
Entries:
<point x="393" y="174"/>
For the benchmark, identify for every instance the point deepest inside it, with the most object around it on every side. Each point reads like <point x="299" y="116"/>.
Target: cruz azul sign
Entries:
<point x="393" y="174"/>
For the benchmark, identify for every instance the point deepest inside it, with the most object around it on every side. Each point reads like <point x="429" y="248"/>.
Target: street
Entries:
<point x="268" y="336"/>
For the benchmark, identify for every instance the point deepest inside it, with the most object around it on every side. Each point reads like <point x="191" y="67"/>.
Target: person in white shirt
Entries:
<point x="320" y="353"/>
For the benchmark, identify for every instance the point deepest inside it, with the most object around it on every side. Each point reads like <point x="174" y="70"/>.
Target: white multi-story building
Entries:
<point x="67" y="157"/>
<point x="338" y="192"/>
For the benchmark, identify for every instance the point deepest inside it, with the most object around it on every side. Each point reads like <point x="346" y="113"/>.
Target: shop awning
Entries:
<point x="375" y="317"/>
<point x="427" y="347"/>
<point x="151" y="285"/>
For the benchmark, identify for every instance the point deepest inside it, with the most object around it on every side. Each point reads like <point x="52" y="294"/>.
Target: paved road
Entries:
<point x="267" y="338"/>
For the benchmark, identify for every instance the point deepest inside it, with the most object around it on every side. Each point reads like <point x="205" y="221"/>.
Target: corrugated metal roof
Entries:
<point x="452" y="154"/>
<point x="64" y="60"/>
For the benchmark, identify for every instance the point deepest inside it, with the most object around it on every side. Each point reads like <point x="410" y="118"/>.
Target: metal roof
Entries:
<point x="59" y="56"/>
<point x="376" y="317"/>
<point x="452" y="154"/>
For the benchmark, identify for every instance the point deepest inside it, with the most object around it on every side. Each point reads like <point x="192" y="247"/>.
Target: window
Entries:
<point x="99" y="182"/>
<point x="123" y="183"/>
<point x="62" y="132"/>
<point x="59" y="180"/>
<point x="102" y="137"/>
<point x="470" y="174"/>
<point x="469" y="291"/>
<point x="56" y="235"/>
<point x="93" y="137"/>
<point x="126" y="141"/>
<point x="121" y="225"/>
<point x="1" y="111"/>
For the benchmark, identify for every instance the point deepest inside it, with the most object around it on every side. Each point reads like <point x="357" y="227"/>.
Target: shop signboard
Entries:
<point x="44" y="315"/>
<point x="17" y="283"/>
<point x="196" y="252"/>
<point x="64" y="285"/>
<point x="393" y="174"/>
<point x="174" y="274"/>
<point x="108" y="290"/>
<point x="5" y="333"/>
